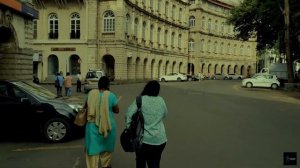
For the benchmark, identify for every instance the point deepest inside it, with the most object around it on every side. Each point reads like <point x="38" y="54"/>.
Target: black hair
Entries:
<point x="151" y="88"/>
<point x="103" y="83"/>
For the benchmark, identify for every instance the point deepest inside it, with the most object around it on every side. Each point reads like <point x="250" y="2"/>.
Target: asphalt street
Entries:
<point x="211" y="124"/>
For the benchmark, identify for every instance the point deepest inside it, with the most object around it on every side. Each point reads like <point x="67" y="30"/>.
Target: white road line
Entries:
<point x="47" y="148"/>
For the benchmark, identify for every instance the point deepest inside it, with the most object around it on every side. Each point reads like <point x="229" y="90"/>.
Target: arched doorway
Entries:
<point x="243" y="70"/>
<point x="249" y="71"/>
<point x="167" y="68"/>
<point x="222" y="68"/>
<point x="138" y="68"/>
<point x="74" y="64"/>
<point x="202" y="68"/>
<point x="216" y="67"/>
<point x="229" y="69"/>
<point x="152" y="69"/>
<point x="235" y="69"/>
<point x="208" y="68"/>
<point x="145" y="72"/>
<point x="52" y="65"/>
<point x="173" y="66"/>
<point x="159" y="69"/>
<point x="130" y="69"/>
<point x="180" y="66"/>
<point x="109" y="66"/>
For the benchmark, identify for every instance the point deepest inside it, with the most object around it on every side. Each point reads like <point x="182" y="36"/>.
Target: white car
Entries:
<point x="173" y="77"/>
<point x="235" y="76"/>
<point x="258" y="80"/>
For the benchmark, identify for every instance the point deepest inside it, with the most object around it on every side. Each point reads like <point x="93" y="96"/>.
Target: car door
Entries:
<point x="259" y="81"/>
<point x="12" y="114"/>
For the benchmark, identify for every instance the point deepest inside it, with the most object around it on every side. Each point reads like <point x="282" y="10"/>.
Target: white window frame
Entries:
<point x="75" y="17"/>
<point x="109" y="22"/>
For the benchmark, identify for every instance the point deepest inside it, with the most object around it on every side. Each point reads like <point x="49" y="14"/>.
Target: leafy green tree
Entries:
<point x="264" y="20"/>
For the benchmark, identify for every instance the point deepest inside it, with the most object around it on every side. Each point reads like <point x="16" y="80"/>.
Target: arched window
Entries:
<point x="34" y="28"/>
<point x="144" y="30"/>
<point x="216" y="47"/>
<point x="180" y="14"/>
<point x="208" y="47"/>
<point x="75" y="26"/>
<point x="216" y="26"/>
<point x="191" y="45"/>
<point x="151" y="32"/>
<point x="203" y="23"/>
<point x="202" y="45"/>
<point x="159" y="6"/>
<point x="136" y="24"/>
<point x="166" y="9"/>
<point x="222" y="27"/>
<point x="179" y="40"/>
<point x="192" y="21"/>
<point x="209" y="26"/>
<point x="158" y="35"/>
<point x="109" y="21"/>
<point x="166" y="38"/>
<point x="53" y="26"/>
<point x="173" y="12"/>
<point x="173" y="39"/>
<point x="127" y="24"/>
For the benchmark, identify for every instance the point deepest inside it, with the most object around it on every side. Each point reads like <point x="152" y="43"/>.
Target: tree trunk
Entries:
<point x="287" y="41"/>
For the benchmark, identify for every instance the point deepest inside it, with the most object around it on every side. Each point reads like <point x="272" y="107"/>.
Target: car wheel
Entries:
<point x="225" y="78"/>
<point x="249" y="85"/>
<point x="239" y="78"/>
<point x="190" y="79"/>
<point x="163" y="80"/>
<point x="178" y="79"/>
<point x="274" y="86"/>
<point x="56" y="130"/>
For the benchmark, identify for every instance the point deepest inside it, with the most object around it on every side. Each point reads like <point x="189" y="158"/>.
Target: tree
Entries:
<point x="264" y="20"/>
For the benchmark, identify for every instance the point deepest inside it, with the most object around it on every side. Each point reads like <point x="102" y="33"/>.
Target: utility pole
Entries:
<point x="287" y="41"/>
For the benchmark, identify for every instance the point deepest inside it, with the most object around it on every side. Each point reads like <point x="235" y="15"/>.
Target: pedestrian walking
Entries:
<point x="59" y="82"/>
<point x="68" y="84"/>
<point x="100" y="132"/>
<point x="154" y="139"/>
<point x="78" y="82"/>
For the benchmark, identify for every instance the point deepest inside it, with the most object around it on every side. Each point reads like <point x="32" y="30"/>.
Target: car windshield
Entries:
<point x="36" y="89"/>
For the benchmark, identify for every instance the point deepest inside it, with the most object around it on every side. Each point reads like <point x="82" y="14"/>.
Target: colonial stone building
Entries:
<point x="128" y="39"/>
<point x="15" y="39"/>
<point x="212" y="46"/>
<point x="138" y="39"/>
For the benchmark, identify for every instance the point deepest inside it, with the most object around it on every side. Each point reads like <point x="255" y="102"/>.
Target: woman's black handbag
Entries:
<point x="131" y="138"/>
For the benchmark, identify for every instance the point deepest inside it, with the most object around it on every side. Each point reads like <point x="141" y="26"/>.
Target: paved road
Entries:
<point x="211" y="124"/>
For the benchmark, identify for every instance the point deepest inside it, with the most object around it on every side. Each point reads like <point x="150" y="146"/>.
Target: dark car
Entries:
<point x="29" y="109"/>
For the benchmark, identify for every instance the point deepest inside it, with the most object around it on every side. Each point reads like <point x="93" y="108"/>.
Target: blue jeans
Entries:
<point x="68" y="91"/>
<point x="149" y="154"/>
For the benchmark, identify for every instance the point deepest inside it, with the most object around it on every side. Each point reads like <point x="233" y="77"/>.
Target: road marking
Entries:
<point x="47" y="148"/>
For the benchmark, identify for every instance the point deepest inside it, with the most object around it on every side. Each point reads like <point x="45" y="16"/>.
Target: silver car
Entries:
<point x="91" y="79"/>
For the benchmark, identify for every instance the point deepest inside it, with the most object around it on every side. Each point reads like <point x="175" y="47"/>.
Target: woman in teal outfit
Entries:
<point x="100" y="132"/>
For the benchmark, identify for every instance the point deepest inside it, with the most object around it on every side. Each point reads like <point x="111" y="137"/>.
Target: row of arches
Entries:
<point x="140" y="69"/>
<point x="73" y="65"/>
<point x="227" y="69"/>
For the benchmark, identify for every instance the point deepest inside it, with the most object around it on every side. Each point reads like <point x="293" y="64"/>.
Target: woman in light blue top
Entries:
<point x="154" y="111"/>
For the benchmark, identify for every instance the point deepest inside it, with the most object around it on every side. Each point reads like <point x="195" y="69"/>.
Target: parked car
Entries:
<point x="173" y="77"/>
<point x="91" y="79"/>
<point x="258" y="80"/>
<point x="221" y="76"/>
<point x="30" y="109"/>
<point x="235" y="76"/>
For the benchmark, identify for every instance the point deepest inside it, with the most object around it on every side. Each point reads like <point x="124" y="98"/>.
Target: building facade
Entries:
<point x="128" y="39"/>
<point x="15" y="39"/>
<point x="212" y="46"/>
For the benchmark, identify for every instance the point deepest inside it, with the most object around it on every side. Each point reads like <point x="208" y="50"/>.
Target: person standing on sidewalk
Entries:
<point x="100" y="130"/>
<point x="68" y="85"/>
<point x="154" y="140"/>
<point x="59" y="82"/>
<point x="78" y="82"/>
